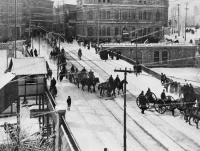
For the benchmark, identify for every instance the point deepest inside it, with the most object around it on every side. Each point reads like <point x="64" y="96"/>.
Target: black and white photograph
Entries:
<point x="99" y="75"/>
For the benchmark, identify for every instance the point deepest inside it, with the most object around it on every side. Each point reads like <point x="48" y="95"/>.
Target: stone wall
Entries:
<point x="159" y="55"/>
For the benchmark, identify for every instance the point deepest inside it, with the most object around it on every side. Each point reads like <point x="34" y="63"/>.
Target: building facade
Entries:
<point x="28" y="12"/>
<point x="126" y="18"/>
<point x="64" y="19"/>
<point x="7" y="19"/>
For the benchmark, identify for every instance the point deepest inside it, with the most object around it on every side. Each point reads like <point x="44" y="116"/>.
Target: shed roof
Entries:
<point x="29" y="66"/>
<point x="5" y="79"/>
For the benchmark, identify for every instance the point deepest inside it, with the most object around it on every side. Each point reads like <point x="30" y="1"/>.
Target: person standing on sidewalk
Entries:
<point x="69" y="103"/>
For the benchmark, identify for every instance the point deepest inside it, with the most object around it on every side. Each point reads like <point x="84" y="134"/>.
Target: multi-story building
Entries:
<point x="33" y="12"/>
<point x="125" y="18"/>
<point x="7" y="19"/>
<point x="38" y="13"/>
<point x="65" y="19"/>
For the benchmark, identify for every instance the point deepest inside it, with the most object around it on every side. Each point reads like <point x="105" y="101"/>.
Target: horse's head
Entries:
<point x="123" y="81"/>
<point x="96" y="80"/>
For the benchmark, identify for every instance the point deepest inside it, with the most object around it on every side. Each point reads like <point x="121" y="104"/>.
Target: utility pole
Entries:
<point x="186" y="19"/>
<point x="136" y="47"/>
<point x="125" y="74"/>
<point x="15" y="27"/>
<point x="63" y="19"/>
<point x="178" y="20"/>
<point x="59" y="41"/>
<point x="98" y="26"/>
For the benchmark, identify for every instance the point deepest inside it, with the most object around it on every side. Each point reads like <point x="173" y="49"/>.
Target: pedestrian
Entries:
<point x="143" y="102"/>
<point x="31" y="53"/>
<point x="69" y="103"/>
<point x="35" y="52"/>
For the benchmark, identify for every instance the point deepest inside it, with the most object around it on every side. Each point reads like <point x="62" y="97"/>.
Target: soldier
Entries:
<point x="117" y="80"/>
<point x="91" y="74"/>
<point x="110" y="79"/>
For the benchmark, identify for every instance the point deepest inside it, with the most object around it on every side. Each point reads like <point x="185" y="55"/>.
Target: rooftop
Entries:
<point x="28" y="66"/>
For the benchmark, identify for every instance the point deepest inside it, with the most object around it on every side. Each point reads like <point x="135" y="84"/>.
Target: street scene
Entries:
<point x="100" y="75"/>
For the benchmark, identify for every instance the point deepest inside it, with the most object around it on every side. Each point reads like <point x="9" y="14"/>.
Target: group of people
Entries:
<point x="149" y="96"/>
<point x="35" y="53"/>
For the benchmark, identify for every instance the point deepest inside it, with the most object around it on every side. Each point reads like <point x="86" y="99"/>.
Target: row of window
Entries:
<point x="107" y="31"/>
<point x="125" y="15"/>
<point x="139" y="1"/>
<point x="10" y="19"/>
<point x="10" y="8"/>
<point x="164" y="55"/>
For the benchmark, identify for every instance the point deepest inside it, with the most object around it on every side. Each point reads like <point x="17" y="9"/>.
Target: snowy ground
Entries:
<point x="97" y="123"/>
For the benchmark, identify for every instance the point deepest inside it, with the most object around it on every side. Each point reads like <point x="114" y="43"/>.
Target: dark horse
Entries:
<point x="89" y="82"/>
<point x="110" y="87"/>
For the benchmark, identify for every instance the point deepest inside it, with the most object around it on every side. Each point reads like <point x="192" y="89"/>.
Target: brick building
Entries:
<point x="125" y="18"/>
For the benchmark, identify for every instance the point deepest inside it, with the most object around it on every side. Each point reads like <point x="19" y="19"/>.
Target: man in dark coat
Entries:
<point x="69" y="103"/>
<point x="142" y="102"/>
<point x="31" y="52"/>
<point x="163" y="96"/>
<point x="53" y="83"/>
<point x="110" y="79"/>
<point x="117" y="80"/>
<point x="35" y="53"/>
<point x="72" y="69"/>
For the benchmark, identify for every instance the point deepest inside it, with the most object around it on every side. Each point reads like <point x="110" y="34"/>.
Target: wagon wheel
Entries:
<point x="139" y="105"/>
<point x="160" y="106"/>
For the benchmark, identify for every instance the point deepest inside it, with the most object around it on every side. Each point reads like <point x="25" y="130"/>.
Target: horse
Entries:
<point x="89" y="82"/>
<point x="120" y="86"/>
<point x="80" y="76"/>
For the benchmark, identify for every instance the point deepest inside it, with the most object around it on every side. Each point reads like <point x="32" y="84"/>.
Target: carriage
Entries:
<point x="160" y="105"/>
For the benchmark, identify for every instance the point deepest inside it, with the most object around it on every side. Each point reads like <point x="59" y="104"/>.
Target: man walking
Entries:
<point x="68" y="103"/>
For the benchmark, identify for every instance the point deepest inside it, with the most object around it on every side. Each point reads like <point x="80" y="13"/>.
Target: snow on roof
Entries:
<point x="29" y="66"/>
<point x="5" y="78"/>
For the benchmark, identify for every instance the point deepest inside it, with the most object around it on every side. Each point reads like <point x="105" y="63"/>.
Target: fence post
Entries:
<point x="61" y="112"/>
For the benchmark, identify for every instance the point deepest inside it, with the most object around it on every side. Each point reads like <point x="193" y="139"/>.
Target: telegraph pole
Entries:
<point x="98" y="26"/>
<point x="178" y="20"/>
<point x="15" y="27"/>
<point x="63" y="19"/>
<point x="186" y="19"/>
<point x="125" y="74"/>
<point x="136" y="47"/>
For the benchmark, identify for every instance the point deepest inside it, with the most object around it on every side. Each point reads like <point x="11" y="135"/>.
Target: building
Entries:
<point x="158" y="54"/>
<point x="125" y="18"/>
<point x="7" y="19"/>
<point x="64" y="19"/>
<point x="38" y="13"/>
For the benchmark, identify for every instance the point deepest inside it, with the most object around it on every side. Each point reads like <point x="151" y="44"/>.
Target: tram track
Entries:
<point x="104" y="72"/>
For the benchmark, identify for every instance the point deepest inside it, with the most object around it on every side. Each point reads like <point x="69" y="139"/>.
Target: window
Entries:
<point x="100" y="14"/>
<point x="116" y="15"/>
<point x="124" y="15"/>
<point x="104" y="1"/>
<point x="149" y="30"/>
<point x="90" y="31"/>
<point x="99" y="31"/>
<point x="133" y="15"/>
<point x="164" y="57"/>
<point x="145" y="2"/>
<point x="90" y="14"/>
<point x="156" y="57"/>
<point x="144" y="31"/>
<point x="140" y="15"/>
<point x="99" y="1"/>
<point x="31" y="79"/>
<point x="140" y="2"/>
<point x="116" y="31"/>
<point x="1" y="31"/>
<point x="157" y="32"/>
<point x="103" y="14"/>
<point x="108" y="1"/>
<point x="104" y="31"/>
<point x="144" y="15"/>
<point x="149" y="15"/>
<point x="133" y="31"/>
<point x="108" y="31"/>
<point x="108" y="14"/>
<point x="140" y="33"/>
<point x="157" y="16"/>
